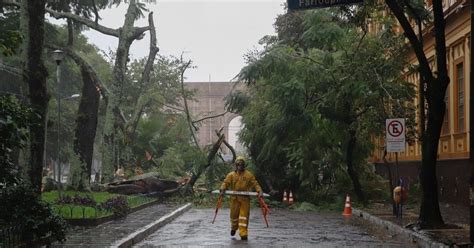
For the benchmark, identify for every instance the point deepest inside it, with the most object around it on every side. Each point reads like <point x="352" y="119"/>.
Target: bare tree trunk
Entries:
<point x="210" y="156"/>
<point x="144" y="98"/>
<point x="112" y="142"/>
<point x="350" y="167"/>
<point x="430" y="215"/>
<point x="86" y="123"/>
<point x="35" y="75"/>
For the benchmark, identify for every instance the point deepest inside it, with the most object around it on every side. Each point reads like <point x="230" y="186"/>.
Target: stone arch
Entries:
<point x="232" y="127"/>
<point x="208" y="101"/>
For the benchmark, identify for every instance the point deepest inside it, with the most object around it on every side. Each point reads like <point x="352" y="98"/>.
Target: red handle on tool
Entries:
<point x="218" y="205"/>
<point x="265" y="209"/>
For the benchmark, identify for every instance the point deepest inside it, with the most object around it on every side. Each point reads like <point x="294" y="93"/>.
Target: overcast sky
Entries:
<point x="215" y="34"/>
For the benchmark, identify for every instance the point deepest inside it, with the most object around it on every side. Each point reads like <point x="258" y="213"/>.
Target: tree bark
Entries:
<point x="430" y="214"/>
<point x="210" y="156"/>
<point x="128" y="33"/>
<point x="144" y="98"/>
<point x="87" y="115"/>
<point x="35" y="75"/>
<point x="86" y="122"/>
<point x="351" y="144"/>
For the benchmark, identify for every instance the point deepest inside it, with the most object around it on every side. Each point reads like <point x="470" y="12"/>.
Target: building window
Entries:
<point x="459" y="83"/>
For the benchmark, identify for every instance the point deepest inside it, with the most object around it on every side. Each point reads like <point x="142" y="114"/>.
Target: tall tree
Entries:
<point x="35" y="74"/>
<point x="437" y="81"/>
<point x="86" y="121"/>
<point x="327" y="91"/>
<point x="115" y="128"/>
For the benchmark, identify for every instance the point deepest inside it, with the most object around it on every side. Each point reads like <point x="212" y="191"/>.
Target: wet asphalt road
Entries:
<point x="287" y="229"/>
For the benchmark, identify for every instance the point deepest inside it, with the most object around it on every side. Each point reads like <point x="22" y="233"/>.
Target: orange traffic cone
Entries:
<point x="290" y="198"/>
<point x="347" y="207"/>
<point x="285" y="200"/>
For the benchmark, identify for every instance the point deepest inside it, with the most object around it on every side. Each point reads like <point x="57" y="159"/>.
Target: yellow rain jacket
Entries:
<point x="240" y="205"/>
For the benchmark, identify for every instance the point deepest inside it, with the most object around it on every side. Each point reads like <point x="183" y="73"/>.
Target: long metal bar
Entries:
<point x="246" y="193"/>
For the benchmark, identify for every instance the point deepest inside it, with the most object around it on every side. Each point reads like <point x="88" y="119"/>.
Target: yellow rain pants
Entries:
<point x="240" y="205"/>
<point x="239" y="214"/>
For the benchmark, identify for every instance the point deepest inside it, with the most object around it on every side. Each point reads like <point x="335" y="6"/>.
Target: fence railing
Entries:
<point x="10" y="237"/>
<point x="70" y="211"/>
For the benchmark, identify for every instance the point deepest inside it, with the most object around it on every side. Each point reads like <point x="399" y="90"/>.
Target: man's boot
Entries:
<point x="232" y="232"/>
<point x="243" y="238"/>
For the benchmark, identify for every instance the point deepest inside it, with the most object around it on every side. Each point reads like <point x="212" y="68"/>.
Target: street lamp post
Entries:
<point x="58" y="56"/>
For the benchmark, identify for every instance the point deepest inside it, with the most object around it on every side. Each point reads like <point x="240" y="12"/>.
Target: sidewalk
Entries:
<point x="453" y="215"/>
<point x="126" y="231"/>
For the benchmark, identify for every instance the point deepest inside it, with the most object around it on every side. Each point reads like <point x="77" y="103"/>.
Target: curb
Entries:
<point x="142" y="233"/>
<point x="418" y="238"/>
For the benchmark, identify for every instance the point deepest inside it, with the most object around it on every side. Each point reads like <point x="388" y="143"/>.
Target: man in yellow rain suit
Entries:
<point x="240" y="180"/>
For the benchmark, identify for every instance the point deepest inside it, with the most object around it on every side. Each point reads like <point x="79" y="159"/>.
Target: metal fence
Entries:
<point x="10" y="237"/>
<point x="69" y="211"/>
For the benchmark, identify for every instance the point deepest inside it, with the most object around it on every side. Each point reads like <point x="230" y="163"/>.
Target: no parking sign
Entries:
<point x="395" y="134"/>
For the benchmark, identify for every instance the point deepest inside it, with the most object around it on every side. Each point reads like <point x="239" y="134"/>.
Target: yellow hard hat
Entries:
<point x="240" y="159"/>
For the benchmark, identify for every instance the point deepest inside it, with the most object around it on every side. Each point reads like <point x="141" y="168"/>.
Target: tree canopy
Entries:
<point x="319" y="93"/>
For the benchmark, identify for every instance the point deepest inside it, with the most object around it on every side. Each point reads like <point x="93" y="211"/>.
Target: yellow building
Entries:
<point x="453" y="168"/>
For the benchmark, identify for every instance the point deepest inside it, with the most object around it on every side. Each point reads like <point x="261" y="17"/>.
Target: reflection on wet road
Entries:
<point x="287" y="229"/>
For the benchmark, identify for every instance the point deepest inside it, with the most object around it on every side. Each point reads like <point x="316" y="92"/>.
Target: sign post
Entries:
<point x="395" y="142"/>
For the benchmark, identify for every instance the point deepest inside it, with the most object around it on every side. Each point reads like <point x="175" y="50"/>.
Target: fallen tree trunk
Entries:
<point x="147" y="185"/>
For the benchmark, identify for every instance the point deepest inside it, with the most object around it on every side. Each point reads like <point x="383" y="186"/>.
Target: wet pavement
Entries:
<point x="287" y="229"/>
<point x="109" y="233"/>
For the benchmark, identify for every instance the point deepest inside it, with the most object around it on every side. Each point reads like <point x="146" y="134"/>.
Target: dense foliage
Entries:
<point x="14" y="123"/>
<point x="21" y="206"/>
<point x="319" y="93"/>
<point x="39" y="225"/>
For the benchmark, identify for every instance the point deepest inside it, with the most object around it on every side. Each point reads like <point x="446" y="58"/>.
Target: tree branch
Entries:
<point x="153" y="51"/>
<point x="12" y="70"/>
<point x="145" y="80"/>
<point x="138" y="32"/>
<point x="96" y="12"/>
<point x="10" y="3"/>
<point x="228" y="146"/>
<point x="440" y="45"/>
<point x="87" y="22"/>
<point x="411" y="36"/>
<point x="210" y="117"/>
<point x="170" y="106"/>
<point x="186" y="108"/>
<point x="103" y="90"/>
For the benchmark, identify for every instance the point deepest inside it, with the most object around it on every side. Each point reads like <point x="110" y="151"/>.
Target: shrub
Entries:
<point x="21" y="206"/>
<point x="76" y="200"/>
<point x="84" y="201"/>
<point x="118" y="205"/>
<point x="14" y="122"/>
<point x="39" y="224"/>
